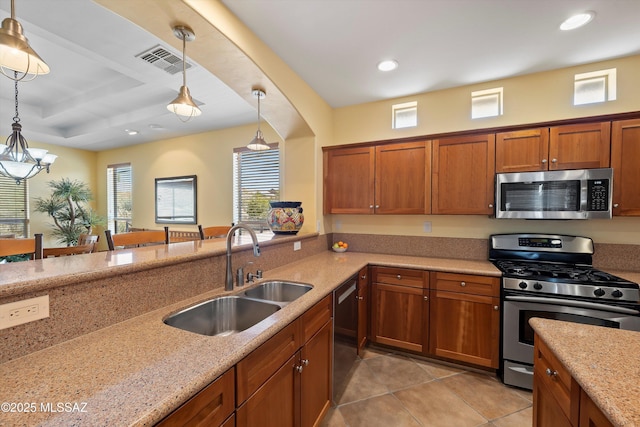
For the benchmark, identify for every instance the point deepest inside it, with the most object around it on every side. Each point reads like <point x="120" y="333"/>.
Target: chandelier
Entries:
<point x="17" y="160"/>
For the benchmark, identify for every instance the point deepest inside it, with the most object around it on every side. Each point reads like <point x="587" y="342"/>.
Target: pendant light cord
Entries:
<point x="184" y="59"/>
<point x="16" y="118"/>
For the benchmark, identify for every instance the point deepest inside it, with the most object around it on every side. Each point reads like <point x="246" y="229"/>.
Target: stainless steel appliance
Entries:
<point x="567" y="194"/>
<point x="345" y="331"/>
<point x="552" y="276"/>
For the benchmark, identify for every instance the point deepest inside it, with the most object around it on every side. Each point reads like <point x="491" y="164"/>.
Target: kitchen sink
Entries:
<point x="279" y="291"/>
<point x="222" y="316"/>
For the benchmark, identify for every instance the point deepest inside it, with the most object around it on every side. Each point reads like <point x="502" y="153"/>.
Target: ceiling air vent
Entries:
<point x="163" y="59"/>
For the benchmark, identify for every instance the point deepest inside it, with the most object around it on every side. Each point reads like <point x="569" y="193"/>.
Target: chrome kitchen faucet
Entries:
<point x="228" y="278"/>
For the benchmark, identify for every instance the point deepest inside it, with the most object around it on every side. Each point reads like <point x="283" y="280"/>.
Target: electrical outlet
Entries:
<point x="297" y="246"/>
<point x="426" y="227"/>
<point x="25" y="311"/>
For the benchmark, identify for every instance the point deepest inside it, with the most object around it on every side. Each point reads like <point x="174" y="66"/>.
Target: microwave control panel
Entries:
<point x="598" y="194"/>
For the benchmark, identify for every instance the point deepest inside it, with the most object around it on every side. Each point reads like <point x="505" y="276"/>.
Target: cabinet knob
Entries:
<point x="399" y="277"/>
<point x="359" y="297"/>
<point x="554" y="160"/>
<point x="377" y="206"/>
<point x="463" y="284"/>
<point x="496" y="308"/>
<point x="615" y="205"/>
<point x="544" y="161"/>
<point x="551" y="373"/>
<point x="299" y="369"/>
<point x="305" y="362"/>
<point x="491" y="205"/>
<point x="426" y="298"/>
<point x="370" y="206"/>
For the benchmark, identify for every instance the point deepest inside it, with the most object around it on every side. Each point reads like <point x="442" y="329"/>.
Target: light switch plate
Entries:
<point x="426" y="227"/>
<point x="25" y="311"/>
<point x="297" y="246"/>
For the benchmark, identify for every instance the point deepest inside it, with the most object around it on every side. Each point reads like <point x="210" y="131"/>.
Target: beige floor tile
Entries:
<point x="525" y="394"/>
<point x="362" y="384"/>
<point x="434" y="405"/>
<point x="397" y="371"/>
<point x="369" y="352"/>
<point x="333" y="419"/>
<point x="381" y="411"/>
<point x="437" y="370"/>
<point x="486" y="394"/>
<point x="522" y="418"/>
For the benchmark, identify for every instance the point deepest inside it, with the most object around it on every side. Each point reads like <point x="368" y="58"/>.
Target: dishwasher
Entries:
<point x="345" y="335"/>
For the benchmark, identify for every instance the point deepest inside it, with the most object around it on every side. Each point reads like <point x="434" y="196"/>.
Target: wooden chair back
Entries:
<point x="32" y="247"/>
<point x="68" y="250"/>
<point x="137" y="238"/>
<point x="213" y="232"/>
<point x="89" y="239"/>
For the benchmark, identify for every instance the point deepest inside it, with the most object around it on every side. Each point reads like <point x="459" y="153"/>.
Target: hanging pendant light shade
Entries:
<point x="15" y="53"/>
<point x="17" y="160"/>
<point x="258" y="143"/>
<point x="183" y="105"/>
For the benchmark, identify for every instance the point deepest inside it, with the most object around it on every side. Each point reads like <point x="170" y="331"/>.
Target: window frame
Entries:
<point x="113" y="220"/>
<point x="175" y="219"/>
<point x="7" y="184"/>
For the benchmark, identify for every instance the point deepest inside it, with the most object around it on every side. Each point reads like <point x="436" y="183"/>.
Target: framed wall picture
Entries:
<point x="176" y="200"/>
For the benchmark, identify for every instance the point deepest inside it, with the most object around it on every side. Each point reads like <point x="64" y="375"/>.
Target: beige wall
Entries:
<point x="528" y="99"/>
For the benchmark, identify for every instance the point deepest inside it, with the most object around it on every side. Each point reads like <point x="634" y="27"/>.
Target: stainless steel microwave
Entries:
<point x="567" y="194"/>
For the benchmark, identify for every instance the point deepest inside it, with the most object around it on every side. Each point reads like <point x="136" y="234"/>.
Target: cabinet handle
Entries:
<point x="551" y="373"/>
<point x="544" y="161"/>
<point x="364" y="276"/>
<point x="463" y="284"/>
<point x="554" y="160"/>
<point x="399" y="277"/>
<point x="299" y="369"/>
<point x="359" y="298"/>
<point x="615" y="205"/>
<point x="491" y="205"/>
<point x="496" y="308"/>
<point x="426" y="298"/>
<point x="305" y="362"/>
<point x="370" y="206"/>
<point x="377" y="206"/>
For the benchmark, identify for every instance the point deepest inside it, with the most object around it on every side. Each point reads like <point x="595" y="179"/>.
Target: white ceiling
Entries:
<point x="98" y="88"/>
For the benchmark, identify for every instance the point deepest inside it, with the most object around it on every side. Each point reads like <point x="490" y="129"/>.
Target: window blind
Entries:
<point x="119" y="197"/>
<point x="14" y="207"/>
<point x="256" y="182"/>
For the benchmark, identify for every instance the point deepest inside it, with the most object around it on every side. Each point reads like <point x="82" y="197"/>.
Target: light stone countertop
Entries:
<point x="136" y="372"/>
<point x="604" y="361"/>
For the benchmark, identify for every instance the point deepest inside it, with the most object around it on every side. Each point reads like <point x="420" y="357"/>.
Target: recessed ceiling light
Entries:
<point x="387" y="65"/>
<point x="131" y="132"/>
<point x="577" y="21"/>
<point x="156" y="126"/>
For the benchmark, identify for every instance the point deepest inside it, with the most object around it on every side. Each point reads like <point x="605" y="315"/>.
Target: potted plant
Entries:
<point x="67" y="206"/>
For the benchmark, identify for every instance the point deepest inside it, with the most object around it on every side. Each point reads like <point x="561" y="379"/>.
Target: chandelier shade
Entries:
<point x="183" y="105"/>
<point x="258" y="143"/>
<point x="16" y="55"/>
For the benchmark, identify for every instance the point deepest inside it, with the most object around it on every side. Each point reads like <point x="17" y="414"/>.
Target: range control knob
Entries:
<point x="616" y="294"/>
<point x="598" y="292"/>
<point x="522" y="285"/>
<point x="537" y="286"/>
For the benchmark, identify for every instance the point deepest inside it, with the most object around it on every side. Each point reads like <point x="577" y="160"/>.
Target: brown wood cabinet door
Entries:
<point x="465" y="327"/>
<point x="403" y="178"/>
<point x="316" y="362"/>
<point x="463" y="175"/>
<point x="399" y="316"/>
<point x="590" y="414"/>
<point x="363" y="308"/>
<point x="522" y="151"/>
<point x="276" y="403"/>
<point x="546" y="410"/>
<point x="349" y="180"/>
<point x="625" y="161"/>
<point x="584" y="146"/>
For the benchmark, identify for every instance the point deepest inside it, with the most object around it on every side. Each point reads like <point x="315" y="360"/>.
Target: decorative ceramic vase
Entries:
<point x="285" y="217"/>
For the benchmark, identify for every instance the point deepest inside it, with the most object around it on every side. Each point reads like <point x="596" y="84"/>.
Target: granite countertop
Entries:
<point x="603" y="361"/>
<point x="136" y="372"/>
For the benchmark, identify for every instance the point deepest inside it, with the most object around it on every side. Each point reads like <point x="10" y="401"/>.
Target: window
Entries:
<point x="404" y="115"/>
<point x="14" y="209"/>
<point x="487" y="103"/>
<point x="119" y="186"/>
<point x="176" y="200"/>
<point x="256" y="181"/>
<point x="597" y="86"/>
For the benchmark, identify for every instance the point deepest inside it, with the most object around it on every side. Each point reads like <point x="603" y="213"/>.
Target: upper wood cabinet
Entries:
<point x="582" y="146"/>
<point x="384" y="179"/>
<point x="463" y="175"/>
<point x="625" y="161"/>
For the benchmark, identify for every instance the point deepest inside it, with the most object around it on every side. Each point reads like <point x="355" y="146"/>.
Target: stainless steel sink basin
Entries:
<point x="279" y="291"/>
<point x="222" y="316"/>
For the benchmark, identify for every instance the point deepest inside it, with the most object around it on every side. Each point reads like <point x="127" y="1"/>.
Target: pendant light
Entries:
<point x="183" y="105"/>
<point x="17" y="160"/>
<point x="15" y="52"/>
<point x="258" y="143"/>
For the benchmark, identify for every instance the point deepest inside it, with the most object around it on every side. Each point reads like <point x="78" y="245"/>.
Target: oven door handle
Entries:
<point x="573" y="303"/>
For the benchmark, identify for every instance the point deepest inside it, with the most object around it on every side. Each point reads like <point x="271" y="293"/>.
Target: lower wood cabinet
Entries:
<point x="465" y="318"/>
<point x="364" y="298"/>
<point x="558" y="400"/>
<point x="400" y="308"/>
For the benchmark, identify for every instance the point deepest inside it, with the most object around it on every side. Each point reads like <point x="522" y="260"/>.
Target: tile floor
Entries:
<point x="390" y="389"/>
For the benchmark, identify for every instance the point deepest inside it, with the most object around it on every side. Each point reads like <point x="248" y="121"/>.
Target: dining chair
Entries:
<point x="68" y="250"/>
<point x="213" y="232"/>
<point x="86" y="239"/>
<point x="31" y="247"/>
<point x="135" y="239"/>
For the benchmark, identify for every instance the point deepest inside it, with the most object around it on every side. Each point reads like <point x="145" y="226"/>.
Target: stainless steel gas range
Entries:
<point x="552" y="276"/>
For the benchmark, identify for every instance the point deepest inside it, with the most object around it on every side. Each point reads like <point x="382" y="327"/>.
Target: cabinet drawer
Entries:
<point x="210" y="407"/>
<point x="470" y="284"/>
<point x="314" y="319"/>
<point x="261" y="363"/>
<point x="550" y="371"/>
<point x="401" y="276"/>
